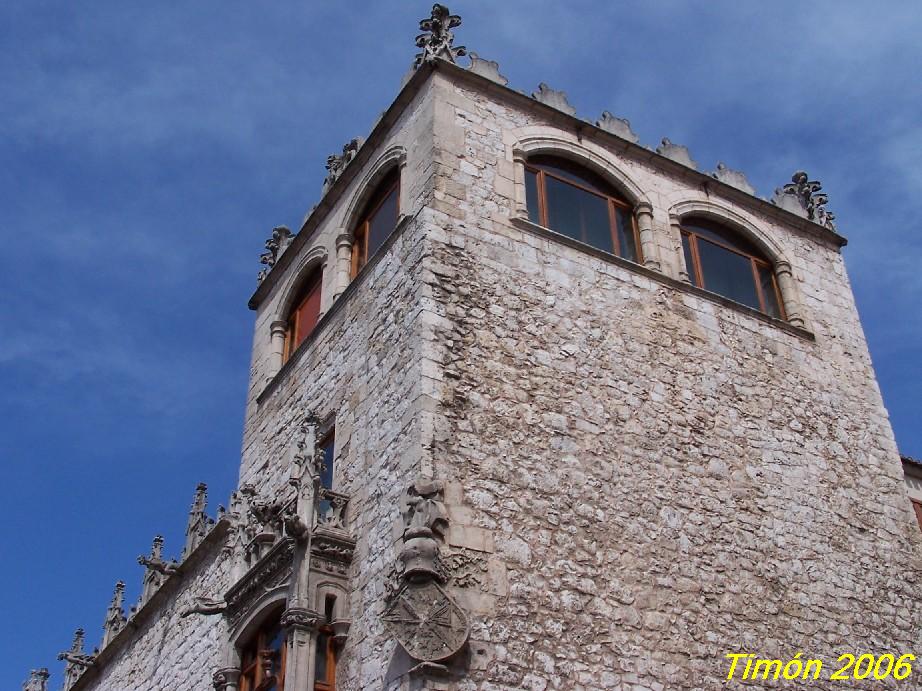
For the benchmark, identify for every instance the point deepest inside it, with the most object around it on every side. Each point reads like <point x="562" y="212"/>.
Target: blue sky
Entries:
<point x="149" y="148"/>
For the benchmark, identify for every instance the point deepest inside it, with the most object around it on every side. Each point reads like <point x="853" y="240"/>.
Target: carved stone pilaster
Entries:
<point x="115" y="615"/>
<point x="648" y="248"/>
<point x="438" y="39"/>
<point x="37" y="681"/>
<point x="553" y="98"/>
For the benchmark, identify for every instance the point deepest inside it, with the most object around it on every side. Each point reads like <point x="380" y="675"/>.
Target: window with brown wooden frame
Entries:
<point x="262" y="661"/>
<point x="325" y="651"/>
<point x="721" y="261"/>
<point x="377" y="222"/>
<point x="304" y="314"/>
<point x="917" y="505"/>
<point x="576" y="202"/>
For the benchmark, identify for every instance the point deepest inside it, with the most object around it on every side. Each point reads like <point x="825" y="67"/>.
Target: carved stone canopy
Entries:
<point x="438" y="40"/>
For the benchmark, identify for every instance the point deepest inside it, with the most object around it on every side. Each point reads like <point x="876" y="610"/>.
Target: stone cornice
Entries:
<point x="640" y="153"/>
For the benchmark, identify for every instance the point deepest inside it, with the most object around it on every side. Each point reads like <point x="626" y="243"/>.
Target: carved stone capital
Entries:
<point x="300" y="618"/>
<point x="278" y="328"/>
<point x="645" y="208"/>
<point x="224" y="677"/>
<point x="782" y="267"/>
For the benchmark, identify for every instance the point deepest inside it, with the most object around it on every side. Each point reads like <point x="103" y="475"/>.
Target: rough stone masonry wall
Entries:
<point x="167" y="651"/>
<point x="364" y="368"/>
<point x="648" y="479"/>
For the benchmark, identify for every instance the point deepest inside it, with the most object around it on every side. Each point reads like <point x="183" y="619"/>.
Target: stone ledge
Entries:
<point x="546" y="233"/>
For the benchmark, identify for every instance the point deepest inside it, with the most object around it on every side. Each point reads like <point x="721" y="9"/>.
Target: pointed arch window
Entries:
<point x="304" y="314"/>
<point x="718" y="259"/>
<point x="378" y="220"/>
<point x="576" y="202"/>
<point x="262" y="661"/>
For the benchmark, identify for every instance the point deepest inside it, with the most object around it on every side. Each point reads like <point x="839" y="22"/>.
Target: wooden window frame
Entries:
<point x="754" y="262"/>
<point x="613" y="203"/>
<point x="360" y="234"/>
<point x="253" y="676"/>
<point x="328" y="684"/>
<point x="313" y="282"/>
<point x="917" y="506"/>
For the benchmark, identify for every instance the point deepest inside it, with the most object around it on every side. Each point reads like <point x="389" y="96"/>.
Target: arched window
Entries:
<point x="262" y="660"/>
<point x="577" y="203"/>
<point x="723" y="262"/>
<point x="304" y="314"/>
<point x="378" y="220"/>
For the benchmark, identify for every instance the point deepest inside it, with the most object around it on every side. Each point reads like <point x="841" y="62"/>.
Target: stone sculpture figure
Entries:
<point x="437" y="42"/>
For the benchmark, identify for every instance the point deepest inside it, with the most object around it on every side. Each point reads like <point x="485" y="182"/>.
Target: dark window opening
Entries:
<point x="305" y="314"/>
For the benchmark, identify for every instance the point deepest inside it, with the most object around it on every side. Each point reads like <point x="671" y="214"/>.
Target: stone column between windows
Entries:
<point x="301" y="625"/>
<point x="786" y="286"/>
<point x="648" y="248"/>
<point x="277" y="329"/>
<point x="521" y="204"/>
<point x="343" y="264"/>
<point x="675" y="224"/>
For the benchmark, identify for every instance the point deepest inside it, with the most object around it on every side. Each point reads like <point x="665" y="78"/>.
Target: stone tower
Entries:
<point x="534" y="406"/>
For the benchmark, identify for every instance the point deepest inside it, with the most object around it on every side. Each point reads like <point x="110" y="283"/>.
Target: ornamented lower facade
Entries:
<point x="508" y="427"/>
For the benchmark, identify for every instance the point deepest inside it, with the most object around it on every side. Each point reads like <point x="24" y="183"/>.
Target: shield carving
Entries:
<point x="426" y="621"/>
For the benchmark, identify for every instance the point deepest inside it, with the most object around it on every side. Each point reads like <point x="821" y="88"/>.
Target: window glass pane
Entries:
<point x="531" y="195"/>
<point x="725" y="236"/>
<point x="767" y="281"/>
<point x="689" y="262"/>
<point x="308" y="313"/>
<point x="578" y="214"/>
<point x="320" y="664"/>
<point x="383" y="222"/>
<point x="727" y="273"/>
<point x="574" y="172"/>
<point x="329" y="453"/>
<point x="626" y="234"/>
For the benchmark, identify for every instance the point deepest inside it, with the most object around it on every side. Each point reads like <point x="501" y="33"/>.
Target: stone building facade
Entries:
<point x="482" y="453"/>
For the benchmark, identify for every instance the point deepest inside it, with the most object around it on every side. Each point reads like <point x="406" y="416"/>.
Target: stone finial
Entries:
<point x="620" y="127"/>
<point x="77" y="660"/>
<point x="438" y="40"/>
<point x="156" y="570"/>
<point x="275" y="246"/>
<point x="486" y="68"/>
<point x="198" y="524"/>
<point x="336" y="163"/>
<point x="553" y="98"/>
<point x="734" y="178"/>
<point x="37" y="681"/>
<point x="115" y="615"/>
<point x="677" y="153"/>
<point x="804" y="197"/>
